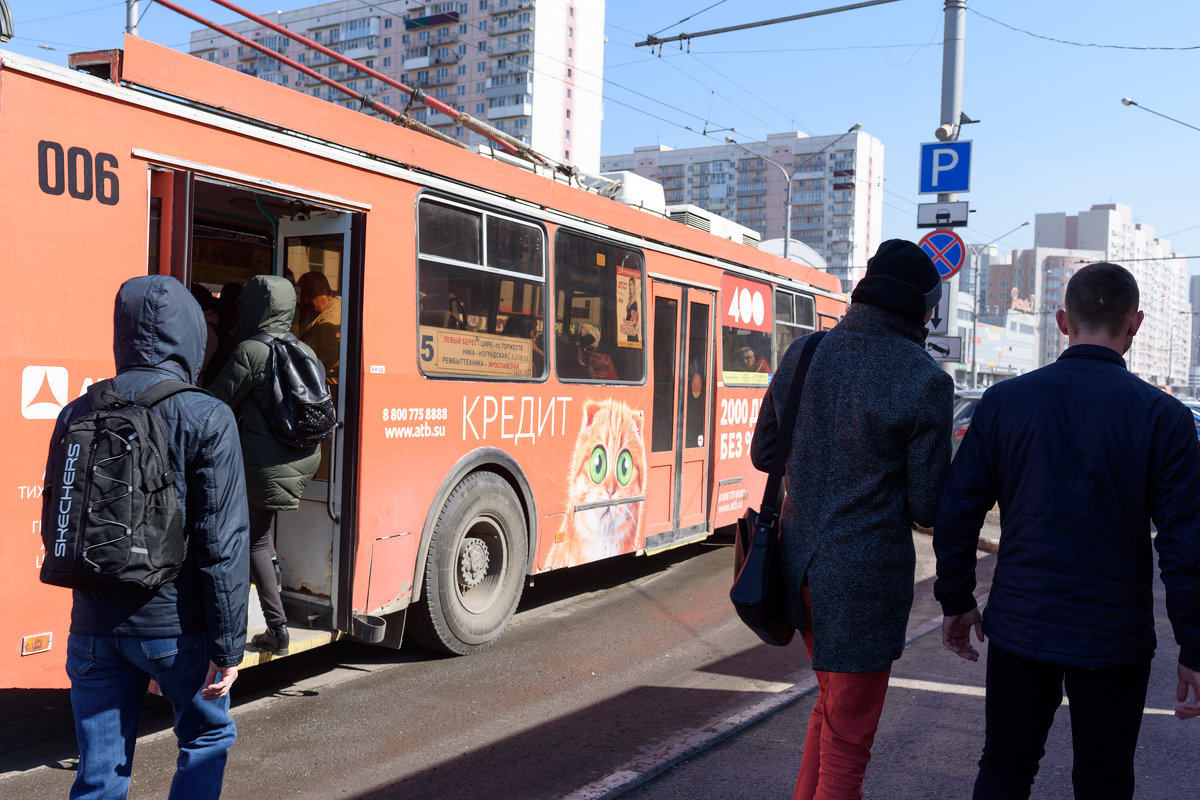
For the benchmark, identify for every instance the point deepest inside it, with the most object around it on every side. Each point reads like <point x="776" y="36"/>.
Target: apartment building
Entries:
<point x="836" y="181"/>
<point x="1036" y="280"/>
<point x="531" y="68"/>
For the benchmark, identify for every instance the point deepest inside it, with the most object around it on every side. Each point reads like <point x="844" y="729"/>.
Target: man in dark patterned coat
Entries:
<point x="870" y="451"/>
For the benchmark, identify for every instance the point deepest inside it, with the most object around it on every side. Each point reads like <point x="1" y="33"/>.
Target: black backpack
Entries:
<point x="110" y="515"/>
<point x="300" y="408"/>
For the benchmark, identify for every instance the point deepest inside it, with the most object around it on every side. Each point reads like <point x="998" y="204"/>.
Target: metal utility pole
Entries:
<point x="953" y="50"/>
<point x="131" y="17"/>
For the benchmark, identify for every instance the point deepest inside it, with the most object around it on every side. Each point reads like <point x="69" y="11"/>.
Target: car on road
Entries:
<point x="965" y="401"/>
<point x="1194" y="407"/>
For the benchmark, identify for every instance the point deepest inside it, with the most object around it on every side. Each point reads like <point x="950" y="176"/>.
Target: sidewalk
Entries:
<point x="929" y="736"/>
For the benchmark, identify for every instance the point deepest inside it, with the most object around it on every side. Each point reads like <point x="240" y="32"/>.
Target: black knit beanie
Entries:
<point x="900" y="278"/>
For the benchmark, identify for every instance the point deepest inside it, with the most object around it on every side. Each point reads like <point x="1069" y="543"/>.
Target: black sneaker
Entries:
<point x="273" y="640"/>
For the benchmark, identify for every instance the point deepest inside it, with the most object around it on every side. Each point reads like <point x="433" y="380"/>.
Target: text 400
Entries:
<point x="742" y="411"/>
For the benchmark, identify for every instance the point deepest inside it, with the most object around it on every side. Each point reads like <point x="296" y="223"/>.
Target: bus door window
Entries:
<point x="746" y="356"/>
<point x="311" y="251"/>
<point x="666" y="325"/>
<point x="481" y="293"/>
<point x="170" y="223"/>
<point x="314" y="265"/>
<point x="598" y="327"/>
<point x="697" y="388"/>
<point x="795" y="316"/>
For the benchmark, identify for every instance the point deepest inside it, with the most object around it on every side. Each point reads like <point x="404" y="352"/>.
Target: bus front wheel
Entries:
<point x="475" y="569"/>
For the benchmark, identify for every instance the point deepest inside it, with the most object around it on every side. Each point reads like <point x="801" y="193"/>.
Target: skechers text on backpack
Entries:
<point x="110" y="515"/>
<point x="299" y="408"/>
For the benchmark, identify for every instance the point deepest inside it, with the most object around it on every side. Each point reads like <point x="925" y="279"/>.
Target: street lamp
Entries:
<point x="787" y="180"/>
<point x="1125" y="101"/>
<point x="976" y="249"/>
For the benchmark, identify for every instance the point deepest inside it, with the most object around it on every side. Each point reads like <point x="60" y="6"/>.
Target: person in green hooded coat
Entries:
<point x="276" y="473"/>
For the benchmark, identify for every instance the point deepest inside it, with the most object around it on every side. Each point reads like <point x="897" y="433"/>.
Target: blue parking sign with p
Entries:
<point x="945" y="167"/>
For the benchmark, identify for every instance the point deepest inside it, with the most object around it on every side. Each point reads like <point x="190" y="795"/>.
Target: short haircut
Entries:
<point x="1100" y="297"/>
<point x="316" y="281"/>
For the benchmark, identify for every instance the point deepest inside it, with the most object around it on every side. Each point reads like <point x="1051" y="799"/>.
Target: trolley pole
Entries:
<point x="131" y="17"/>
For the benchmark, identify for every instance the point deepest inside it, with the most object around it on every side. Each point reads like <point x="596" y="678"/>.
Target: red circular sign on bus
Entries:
<point x="947" y="251"/>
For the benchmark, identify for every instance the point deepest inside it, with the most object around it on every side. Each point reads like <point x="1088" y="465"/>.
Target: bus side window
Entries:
<point x="795" y="316"/>
<point x="598" y="325"/>
<point x="479" y="319"/>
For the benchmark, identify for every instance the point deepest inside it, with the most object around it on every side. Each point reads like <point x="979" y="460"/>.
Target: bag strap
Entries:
<point x="102" y="394"/>
<point x="164" y="389"/>
<point x="787" y="427"/>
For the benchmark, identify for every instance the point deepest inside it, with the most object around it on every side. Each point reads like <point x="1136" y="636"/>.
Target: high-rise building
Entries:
<point x="1064" y="243"/>
<point x="837" y="189"/>
<point x="531" y="68"/>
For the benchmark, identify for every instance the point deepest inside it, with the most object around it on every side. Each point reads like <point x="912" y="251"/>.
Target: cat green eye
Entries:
<point x="624" y="468"/>
<point x="598" y="464"/>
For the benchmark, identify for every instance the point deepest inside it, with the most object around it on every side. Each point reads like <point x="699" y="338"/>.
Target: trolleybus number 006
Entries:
<point x="78" y="173"/>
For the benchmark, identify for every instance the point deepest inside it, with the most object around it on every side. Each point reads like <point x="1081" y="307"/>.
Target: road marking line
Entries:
<point x="934" y="686"/>
<point x="979" y="691"/>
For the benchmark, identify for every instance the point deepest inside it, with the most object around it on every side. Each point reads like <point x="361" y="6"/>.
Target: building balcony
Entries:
<point x="517" y="87"/>
<point x="843" y="186"/>
<point x="751" y="189"/>
<point x="505" y="45"/>
<point x="521" y="109"/>
<point x="365" y="50"/>
<point x="415" y="62"/>
<point x="500" y="7"/>
<point x="510" y="69"/>
<point x="512" y="26"/>
<point x="433" y="20"/>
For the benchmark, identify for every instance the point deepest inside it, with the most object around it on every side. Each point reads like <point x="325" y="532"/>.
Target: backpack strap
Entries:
<point x="102" y="394"/>
<point x="164" y="389"/>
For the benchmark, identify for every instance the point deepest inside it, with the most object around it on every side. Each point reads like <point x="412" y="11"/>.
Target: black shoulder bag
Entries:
<point x="759" y="592"/>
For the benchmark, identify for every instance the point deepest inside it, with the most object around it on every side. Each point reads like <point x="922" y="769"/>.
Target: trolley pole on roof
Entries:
<point x="131" y="17"/>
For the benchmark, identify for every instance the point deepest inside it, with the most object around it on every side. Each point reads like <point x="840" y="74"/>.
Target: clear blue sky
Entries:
<point x="1044" y="78"/>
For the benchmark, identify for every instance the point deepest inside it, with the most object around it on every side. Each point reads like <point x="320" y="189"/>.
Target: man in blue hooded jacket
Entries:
<point x="187" y="635"/>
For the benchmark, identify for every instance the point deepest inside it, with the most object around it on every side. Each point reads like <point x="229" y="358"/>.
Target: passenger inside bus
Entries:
<point x="589" y="361"/>
<point x="747" y="361"/>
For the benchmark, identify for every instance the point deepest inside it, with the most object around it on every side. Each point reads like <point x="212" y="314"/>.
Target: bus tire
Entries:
<point x="475" y="570"/>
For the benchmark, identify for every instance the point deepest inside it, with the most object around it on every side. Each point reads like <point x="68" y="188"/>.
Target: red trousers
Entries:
<point x="840" y="730"/>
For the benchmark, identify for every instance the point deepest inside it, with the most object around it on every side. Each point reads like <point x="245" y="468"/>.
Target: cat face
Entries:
<point x="609" y="465"/>
<point x="610" y="456"/>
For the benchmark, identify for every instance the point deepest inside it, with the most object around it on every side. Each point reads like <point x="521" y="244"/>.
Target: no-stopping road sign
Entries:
<point x="947" y="251"/>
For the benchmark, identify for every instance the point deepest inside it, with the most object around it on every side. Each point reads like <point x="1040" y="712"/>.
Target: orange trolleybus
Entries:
<point x="528" y="375"/>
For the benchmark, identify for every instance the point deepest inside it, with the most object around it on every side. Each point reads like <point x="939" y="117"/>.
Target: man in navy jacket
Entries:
<point x="1082" y="456"/>
<point x="187" y="636"/>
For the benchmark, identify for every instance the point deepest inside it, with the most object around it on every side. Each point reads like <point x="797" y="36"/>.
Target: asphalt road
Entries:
<point x="608" y="675"/>
<point x="600" y="663"/>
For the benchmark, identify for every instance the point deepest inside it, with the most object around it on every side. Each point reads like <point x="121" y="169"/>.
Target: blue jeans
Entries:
<point x="109" y="676"/>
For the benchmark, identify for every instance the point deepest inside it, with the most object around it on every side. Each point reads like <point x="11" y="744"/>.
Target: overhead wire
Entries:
<point x="68" y="14"/>
<point x="690" y="16"/>
<point x="1078" y="44"/>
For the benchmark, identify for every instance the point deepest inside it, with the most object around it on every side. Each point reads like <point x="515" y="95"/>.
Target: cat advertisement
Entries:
<point x="605" y="487"/>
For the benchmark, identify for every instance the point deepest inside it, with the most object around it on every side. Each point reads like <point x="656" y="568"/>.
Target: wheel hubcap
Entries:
<point x="473" y="562"/>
